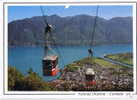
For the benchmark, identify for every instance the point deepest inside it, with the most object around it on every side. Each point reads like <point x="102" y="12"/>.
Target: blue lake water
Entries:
<point x="24" y="58"/>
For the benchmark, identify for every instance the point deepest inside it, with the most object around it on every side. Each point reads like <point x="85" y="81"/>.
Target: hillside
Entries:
<point x="73" y="30"/>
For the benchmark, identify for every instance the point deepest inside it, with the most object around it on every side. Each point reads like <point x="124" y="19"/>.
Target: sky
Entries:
<point x="106" y="11"/>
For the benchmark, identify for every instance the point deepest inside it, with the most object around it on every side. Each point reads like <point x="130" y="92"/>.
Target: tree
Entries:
<point x="30" y="82"/>
<point x="14" y="76"/>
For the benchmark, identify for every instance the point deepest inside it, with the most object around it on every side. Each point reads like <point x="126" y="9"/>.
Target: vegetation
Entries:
<point x="30" y="82"/>
<point x="72" y="68"/>
<point x="126" y="58"/>
<point x="30" y="31"/>
<point x="14" y="77"/>
<point x="87" y="60"/>
<point x="107" y="64"/>
<point x="79" y="64"/>
<point x="109" y="76"/>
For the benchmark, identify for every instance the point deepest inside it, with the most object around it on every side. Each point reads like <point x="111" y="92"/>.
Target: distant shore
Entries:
<point x="12" y="46"/>
<point x="42" y="45"/>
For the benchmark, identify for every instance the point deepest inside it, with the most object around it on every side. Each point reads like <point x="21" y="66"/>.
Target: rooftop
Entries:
<point x="90" y="71"/>
<point x="53" y="57"/>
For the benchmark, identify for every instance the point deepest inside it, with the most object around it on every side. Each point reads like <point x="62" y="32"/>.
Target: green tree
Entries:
<point x="30" y="82"/>
<point x="14" y="76"/>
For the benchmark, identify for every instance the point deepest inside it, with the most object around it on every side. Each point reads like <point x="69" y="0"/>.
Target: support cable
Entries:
<point x="94" y="27"/>
<point x="50" y="35"/>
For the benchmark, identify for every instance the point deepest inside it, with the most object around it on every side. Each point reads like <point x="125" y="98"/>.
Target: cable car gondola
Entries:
<point x="49" y="61"/>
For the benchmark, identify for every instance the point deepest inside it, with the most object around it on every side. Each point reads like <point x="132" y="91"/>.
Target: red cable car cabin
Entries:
<point x="50" y="65"/>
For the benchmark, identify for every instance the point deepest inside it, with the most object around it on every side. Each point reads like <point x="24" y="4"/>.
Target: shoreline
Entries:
<point x="70" y="45"/>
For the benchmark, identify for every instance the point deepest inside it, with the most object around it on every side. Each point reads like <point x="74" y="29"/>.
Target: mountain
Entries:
<point x="71" y="30"/>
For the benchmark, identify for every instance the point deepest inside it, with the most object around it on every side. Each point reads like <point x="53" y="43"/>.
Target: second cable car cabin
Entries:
<point x="90" y="76"/>
<point x="50" y="65"/>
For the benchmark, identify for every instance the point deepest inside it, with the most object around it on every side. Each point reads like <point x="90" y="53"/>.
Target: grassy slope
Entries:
<point x="74" y="66"/>
<point x="122" y="57"/>
<point x="107" y="64"/>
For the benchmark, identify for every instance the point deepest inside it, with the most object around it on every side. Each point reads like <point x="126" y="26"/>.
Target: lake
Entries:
<point x="24" y="58"/>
